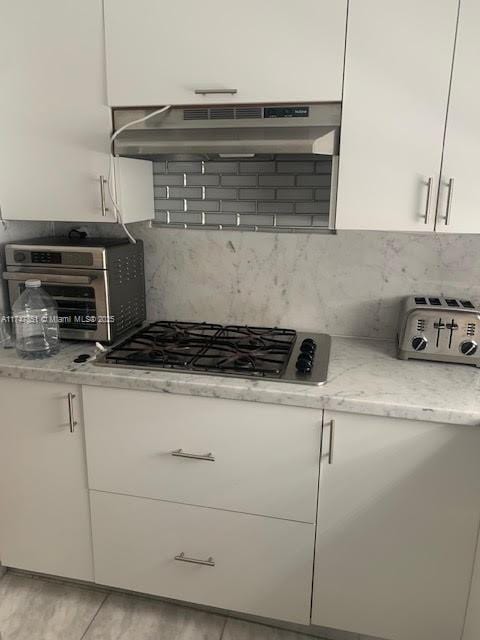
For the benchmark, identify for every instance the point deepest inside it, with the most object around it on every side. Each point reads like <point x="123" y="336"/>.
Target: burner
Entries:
<point x="236" y="350"/>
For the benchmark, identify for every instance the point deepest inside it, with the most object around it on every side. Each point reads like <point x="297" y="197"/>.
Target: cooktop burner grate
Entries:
<point x="206" y="347"/>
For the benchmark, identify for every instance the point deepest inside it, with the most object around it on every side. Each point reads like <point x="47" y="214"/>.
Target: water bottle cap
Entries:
<point x="33" y="284"/>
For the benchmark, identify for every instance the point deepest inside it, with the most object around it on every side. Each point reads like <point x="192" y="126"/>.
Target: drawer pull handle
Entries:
<point x="206" y="563"/>
<point x="208" y="92"/>
<point x="71" y="418"/>
<point x="180" y="453"/>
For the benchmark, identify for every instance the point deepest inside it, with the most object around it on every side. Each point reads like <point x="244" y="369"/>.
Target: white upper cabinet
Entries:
<point x="397" y="527"/>
<point x="54" y="119"/>
<point x="397" y="74"/>
<point x="460" y="183"/>
<point x="266" y="51"/>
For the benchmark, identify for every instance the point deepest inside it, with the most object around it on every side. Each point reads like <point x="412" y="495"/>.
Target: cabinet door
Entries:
<point x="268" y="51"/>
<point x="472" y="623"/>
<point x="397" y="74"/>
<point x="397" y="527"/>
<point x="44" y="508"/>
<point x="54" y="119"/>
<point x="460" y="186"/>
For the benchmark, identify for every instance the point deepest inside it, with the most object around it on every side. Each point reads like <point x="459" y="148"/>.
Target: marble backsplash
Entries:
<point x="11" y="231"/>
<point x="347" y="284"/>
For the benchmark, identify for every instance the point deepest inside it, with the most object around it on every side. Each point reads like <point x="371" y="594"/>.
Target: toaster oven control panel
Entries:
<point x="442" y="329"/>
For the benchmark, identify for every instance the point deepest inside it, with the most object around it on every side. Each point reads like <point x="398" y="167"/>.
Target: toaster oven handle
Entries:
<point x="21" y="276"/>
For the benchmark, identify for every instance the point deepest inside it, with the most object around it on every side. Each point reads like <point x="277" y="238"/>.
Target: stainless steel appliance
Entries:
<point x="265" y="353"/>
<point x="229" y="130"/>
<point x="98" y="284"/>
<point x="439" y="328"/>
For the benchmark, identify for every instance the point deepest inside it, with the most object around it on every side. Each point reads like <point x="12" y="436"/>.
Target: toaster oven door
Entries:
<point x="81" y="297"/>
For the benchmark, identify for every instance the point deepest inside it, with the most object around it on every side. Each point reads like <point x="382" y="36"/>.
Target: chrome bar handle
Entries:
<point x="103" y="182"/>
<point x="332" y="441"/>
<point x="208" y="92"/>
<point x="210" y="562"/>
<point x="180" y="453"/>
<point x="448" y="211"/>
<point x="71" y="418"/>
<point x="429" y="197"/>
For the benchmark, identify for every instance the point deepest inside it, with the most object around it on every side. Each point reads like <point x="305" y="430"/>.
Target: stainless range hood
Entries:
<point x="230" y="130"/>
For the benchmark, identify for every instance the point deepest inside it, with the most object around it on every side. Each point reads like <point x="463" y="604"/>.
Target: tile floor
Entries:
<point x="34" y="608"/>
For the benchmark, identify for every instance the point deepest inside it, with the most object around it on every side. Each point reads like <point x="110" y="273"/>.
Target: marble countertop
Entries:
<point x="364" y="377"/>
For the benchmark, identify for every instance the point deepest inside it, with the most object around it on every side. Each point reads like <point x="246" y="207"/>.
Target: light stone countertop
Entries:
<point x="364" y="377"/>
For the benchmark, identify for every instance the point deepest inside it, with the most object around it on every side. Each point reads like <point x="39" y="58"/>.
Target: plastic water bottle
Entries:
<point x="37" y="333"/>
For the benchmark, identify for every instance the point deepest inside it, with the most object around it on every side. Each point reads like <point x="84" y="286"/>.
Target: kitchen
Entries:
<point x="287" y="191"/>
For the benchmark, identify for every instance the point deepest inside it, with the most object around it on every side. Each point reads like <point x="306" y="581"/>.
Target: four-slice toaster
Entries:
<point x="439" y="328"/>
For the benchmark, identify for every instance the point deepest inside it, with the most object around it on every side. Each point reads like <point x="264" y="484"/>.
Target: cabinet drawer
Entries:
<point x="262" y="566"/>
<point x="254" y="458"/>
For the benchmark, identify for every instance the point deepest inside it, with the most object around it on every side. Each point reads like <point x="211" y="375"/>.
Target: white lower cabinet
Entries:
<point x="44" y="507"/>
<point x="472" y="622"/>
<point x="397" y="526"/>
<point x="251" y="564"/>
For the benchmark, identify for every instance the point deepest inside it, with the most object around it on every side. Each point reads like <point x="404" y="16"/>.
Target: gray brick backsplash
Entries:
<point x="239" y="207"/>
<point x="312" y="207"/>
<point x="294" y="194"/>
<point x="257" y="167"/>
<point x="203" y="205"/>
<point x="160" y="192"/>
<point x="295" y="167"/>
<point x="257" y="194"/>
<point x="164" y="180"/>
<point x="184" y="167"/>
<point x="221" y="193"/>
<point x="316" y="180"/>
<point x="159" y="167"/>
<point x="291" y="186"/>
<point x="201" y="180"/>
<point x="239" y="181"/>
<point x="276" y="181"/>
<point x="185" y="192"/>
<point x="222" y="167"/>
<point x="323" y="166"/>
<point x="276" y="207"/>
<point x="169" y="205"/>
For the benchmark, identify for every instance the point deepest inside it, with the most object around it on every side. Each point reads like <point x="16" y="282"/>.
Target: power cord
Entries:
<point x="111" y="169"/>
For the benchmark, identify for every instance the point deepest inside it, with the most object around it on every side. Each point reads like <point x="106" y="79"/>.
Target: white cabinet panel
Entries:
<point x="54" y="119"/>
<point x="397" y="526"/>
<point x="265" y="456"/>
<point x="44" y="508"/>
<point x="462" y="140"/>
<point x="263" y="566"/>
<point x="397" y="74"/>
<point x="472" y="623"/>
<point x="273" y="50"/>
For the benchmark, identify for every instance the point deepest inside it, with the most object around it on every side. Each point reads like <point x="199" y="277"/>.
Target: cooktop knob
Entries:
<point x="419" y="343"/>
<point x="308" y="346"/>
<point x="304" y="363"/>
<point x="468" y="347"/>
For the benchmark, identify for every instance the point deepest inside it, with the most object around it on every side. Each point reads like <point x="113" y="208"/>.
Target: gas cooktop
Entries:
<point x="267" y="353"/>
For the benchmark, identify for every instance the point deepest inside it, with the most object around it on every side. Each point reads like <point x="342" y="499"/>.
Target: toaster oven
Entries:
<point x="439" y="328"/>
<point x="97" y="284"/>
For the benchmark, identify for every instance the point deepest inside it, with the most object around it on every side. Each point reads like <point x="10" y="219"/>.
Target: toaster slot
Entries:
<point x="420" y="300"/>
<point x="435" y="302"/>
<point x="451" y="302"/>
<point x="466" y="304"/>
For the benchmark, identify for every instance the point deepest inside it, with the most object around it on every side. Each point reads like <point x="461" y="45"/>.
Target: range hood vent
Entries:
<point x="230" y="130"/>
